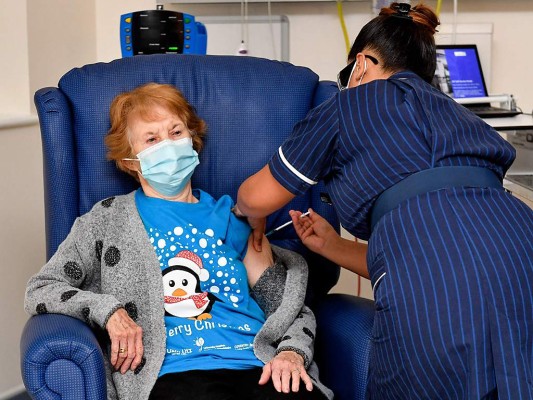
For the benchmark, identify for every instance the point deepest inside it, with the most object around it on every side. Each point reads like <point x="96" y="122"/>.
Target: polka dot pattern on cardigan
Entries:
<point x="107" y="202"/>
<point x="41" y="308"/>
<point x="68" y="295"/>
<point x="277" y="342"/>
<point x="73" y="270"/>
<point x="131" y="309"/>
<point x="308" y="332"/>
<point x="112" y="256"/>
<point x="86" y="312"/>
<point x="140" y="366"/>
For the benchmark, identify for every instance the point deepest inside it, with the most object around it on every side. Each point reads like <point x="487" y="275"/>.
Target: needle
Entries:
<point x="286" y="224"/>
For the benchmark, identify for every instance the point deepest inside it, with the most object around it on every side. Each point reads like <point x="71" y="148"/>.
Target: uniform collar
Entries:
<point x="404" y="75"/>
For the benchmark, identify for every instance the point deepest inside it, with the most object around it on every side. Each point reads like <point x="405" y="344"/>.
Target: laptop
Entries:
<point x="459" y="75"/>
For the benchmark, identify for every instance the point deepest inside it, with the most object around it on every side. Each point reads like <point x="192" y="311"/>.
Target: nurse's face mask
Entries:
<point x="345" y="75"/>
<point x="168" y="165"/>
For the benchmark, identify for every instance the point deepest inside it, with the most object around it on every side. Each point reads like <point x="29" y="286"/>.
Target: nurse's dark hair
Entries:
<point x="402" y="38"/>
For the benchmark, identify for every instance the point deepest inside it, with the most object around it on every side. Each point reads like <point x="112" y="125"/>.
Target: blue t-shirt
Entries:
<point x="210" y="318"/>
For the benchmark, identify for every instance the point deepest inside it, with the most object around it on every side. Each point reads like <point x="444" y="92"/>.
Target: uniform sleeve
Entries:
<point x="59" y="287"/>
<point x="307" y="155"/>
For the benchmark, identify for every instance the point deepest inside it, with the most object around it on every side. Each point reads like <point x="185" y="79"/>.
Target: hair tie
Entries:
<point x="402" y="10"/>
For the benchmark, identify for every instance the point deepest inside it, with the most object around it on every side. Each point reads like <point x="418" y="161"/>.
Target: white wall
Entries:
<point x="108" y="21"/>
<point x="14" y="98"/>
<point x="58" y="35"/>
<point x="21" y="238"/>
<point x="62" y="34"/>
<point x="316" y="38"/>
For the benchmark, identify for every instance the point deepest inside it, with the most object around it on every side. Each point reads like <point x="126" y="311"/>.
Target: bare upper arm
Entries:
<point x="261" y="194"/>
<point x="257" y="262"/>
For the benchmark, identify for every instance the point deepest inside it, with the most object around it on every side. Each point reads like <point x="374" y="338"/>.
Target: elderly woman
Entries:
<point x="190" y="309"/>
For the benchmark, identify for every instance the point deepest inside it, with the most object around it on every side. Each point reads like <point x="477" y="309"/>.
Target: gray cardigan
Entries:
<point x="107" y="262"/>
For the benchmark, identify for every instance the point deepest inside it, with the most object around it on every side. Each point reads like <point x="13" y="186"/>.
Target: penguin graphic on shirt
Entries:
<point x="181" y="281"/>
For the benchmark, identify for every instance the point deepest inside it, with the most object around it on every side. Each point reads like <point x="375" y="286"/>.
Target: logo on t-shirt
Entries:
<point x="181" y="281"/>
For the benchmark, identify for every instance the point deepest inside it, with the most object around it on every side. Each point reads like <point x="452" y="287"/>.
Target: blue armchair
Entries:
<point x="250" y="105"/>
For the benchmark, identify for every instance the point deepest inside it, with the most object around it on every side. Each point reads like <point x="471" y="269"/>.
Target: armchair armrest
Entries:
<point x="343" y="344"/>
<point x="61" y="359"/>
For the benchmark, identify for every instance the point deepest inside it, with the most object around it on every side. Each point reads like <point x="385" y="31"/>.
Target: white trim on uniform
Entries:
<point x="377" y="281"/>
<point x="294" y="170"/>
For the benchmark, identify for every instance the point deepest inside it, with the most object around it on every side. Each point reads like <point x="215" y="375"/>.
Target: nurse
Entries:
<point x="450" y="253"/>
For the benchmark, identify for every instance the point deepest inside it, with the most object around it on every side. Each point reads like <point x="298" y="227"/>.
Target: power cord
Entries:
<point x="243" y="49"/>
<point x="454" y="24"/>
<point x="438" y="7"/>
<point x="340" y="12"/>
<point x="269" y="5"/>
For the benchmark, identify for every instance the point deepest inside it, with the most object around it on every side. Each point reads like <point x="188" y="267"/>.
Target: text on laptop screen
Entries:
<point x="458" y="72"/>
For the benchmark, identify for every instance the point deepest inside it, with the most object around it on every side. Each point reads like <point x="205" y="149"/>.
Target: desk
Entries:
<point x="514" y="130"/>
<point x="517" y="123"/>
<point x="521" y="192"/>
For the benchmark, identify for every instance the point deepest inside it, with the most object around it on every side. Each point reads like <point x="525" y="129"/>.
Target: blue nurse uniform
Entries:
<point x="451" y="268"/>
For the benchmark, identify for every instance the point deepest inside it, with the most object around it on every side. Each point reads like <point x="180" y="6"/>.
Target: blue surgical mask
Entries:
<point x="169" y="165"/>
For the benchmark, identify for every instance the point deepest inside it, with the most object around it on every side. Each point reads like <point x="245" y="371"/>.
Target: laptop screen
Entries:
<point x="458" y="72"/>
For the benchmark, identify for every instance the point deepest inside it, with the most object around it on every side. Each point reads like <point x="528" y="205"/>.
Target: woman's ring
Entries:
<point x="122" y="351"/>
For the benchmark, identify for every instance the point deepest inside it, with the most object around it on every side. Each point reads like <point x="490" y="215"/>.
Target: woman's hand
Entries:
<point x="315" y="232"/>
<point x="286" y="371"/>
<point x="126" y="341"/>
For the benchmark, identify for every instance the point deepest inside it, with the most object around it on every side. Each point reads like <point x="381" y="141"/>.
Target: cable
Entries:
<point x="269" y="5"/>
<point x="340" y="12"/>
<point x="243" y="49"/>
<point x="246" y="20"/>
<point x="242" y="21"/>
<point x="438" y="7"/>
<point x="454" y="25"/>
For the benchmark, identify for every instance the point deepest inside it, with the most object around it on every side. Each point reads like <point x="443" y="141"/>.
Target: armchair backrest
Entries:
<point x="250" y="106"/>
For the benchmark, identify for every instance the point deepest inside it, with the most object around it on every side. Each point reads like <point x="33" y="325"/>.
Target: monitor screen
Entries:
<point x="458" y="72"/>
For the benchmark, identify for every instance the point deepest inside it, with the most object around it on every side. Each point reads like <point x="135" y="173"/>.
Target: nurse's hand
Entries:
<point x="258" y="231"/>
<point x="257" y="262"/>
<point x="258" y="226"/>
<point x="315" y="232"/>
<point x="319" y="236"/>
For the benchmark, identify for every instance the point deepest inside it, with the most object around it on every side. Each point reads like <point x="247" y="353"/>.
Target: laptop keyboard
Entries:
<point x="492" y="112"/>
